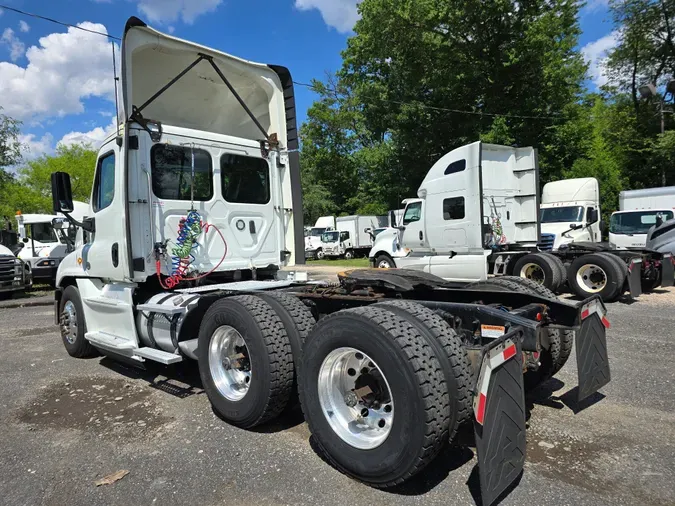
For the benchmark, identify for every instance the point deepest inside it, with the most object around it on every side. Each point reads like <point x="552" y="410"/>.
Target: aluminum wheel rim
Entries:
<point x="69" y="322"/>
<point x="592" y="278"/>
<point x="360" y="419"/>
<point x="229" y="363"/>
<point x="533" y="272"/>
<point x="384" y="264"/>
<point x="320" y="254"/>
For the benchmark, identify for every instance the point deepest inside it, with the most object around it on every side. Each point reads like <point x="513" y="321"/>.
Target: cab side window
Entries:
<point x="412" y="213"/>
<point x="344" y="236"/>
<point x="104" y="182"/>
<point x="453" y="209"/>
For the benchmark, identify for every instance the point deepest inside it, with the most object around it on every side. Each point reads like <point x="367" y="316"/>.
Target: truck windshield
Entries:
<point x="330" y="236"/>
<point x="43" y="232"/>
<point x="316" y="232"/>
<point x="570" y="214"/>
<point x="636" y="222"/>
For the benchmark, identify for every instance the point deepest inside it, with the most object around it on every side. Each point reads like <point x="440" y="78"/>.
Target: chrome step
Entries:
<point x="158" y="356"/>
<point x="109" y="341"/>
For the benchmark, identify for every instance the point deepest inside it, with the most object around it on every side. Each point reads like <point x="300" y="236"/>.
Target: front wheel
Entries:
<point x="320" y="255"/>
<point x="349" y="255"/>
<point x="73" y="326"/>
<point x="385" y="262"/>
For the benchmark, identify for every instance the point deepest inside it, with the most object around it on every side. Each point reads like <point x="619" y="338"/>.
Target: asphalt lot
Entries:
<point x="67" y="423"/>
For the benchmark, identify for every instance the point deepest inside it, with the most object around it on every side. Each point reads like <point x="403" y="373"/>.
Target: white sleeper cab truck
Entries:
<point x="313" y="243"/>
<point x="195" y="206"/>
<point x="570" y="212"/>
<point x="43" y="245"/>
<point x="640" y="210"/>
<point x="353" y="237"/>
<point x="477" y="215"/>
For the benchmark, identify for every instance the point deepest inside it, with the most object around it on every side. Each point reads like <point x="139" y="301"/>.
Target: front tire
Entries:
<point x="245" y="360"/>
<point x="320" y="255"/>
<point x="385" y="262"/>
<point x="349" y="255"/>
<point x="73" y="325"/>
<point x="390" y="386"/>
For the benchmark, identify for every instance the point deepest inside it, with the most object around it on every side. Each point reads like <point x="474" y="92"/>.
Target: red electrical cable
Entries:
<point x="175" y="279"/>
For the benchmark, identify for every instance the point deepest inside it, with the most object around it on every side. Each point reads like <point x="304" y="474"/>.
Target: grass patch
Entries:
<point x="354" y="262"/>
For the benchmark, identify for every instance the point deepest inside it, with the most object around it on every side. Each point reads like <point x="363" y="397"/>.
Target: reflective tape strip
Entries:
<point x="595" y="307"/>
<point x="496" y="357"/>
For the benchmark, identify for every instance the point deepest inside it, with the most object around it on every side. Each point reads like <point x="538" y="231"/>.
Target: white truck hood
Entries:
<point x="557" y="229"/>
<point x="199" y="99"/>
<point x="5" y="251"/>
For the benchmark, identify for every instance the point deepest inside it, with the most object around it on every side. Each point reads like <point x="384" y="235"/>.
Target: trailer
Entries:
<point x="386" y="365"/>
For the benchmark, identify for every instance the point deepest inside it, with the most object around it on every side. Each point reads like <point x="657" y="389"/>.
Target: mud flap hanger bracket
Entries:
<point x="269" y="142"/>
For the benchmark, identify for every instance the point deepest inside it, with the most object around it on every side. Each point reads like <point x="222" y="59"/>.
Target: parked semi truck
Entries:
<point x="42" y="245"/>
<point x="180" y="260"/>
<point x="353" y="237"/>
<point x="570" y="226"/>
<point x="640" y="210"/>
<point x="478" y="215"/>
<point x="313" y="242"/>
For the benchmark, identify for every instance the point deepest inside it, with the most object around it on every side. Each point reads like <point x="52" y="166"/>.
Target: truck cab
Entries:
<point x="629" y="229"/>
<point x="475" y="200"/>
<point x="570" y="212"/>
<point x="313" y="241"/>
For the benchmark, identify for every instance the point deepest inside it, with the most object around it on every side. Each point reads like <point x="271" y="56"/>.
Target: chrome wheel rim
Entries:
<point x="355" y="398"/>
<point x="384" y="264"/>
<point x="592" y="278"/>
<point x="229" y="363"/>
<point x="533" y="272"/>
<point x="320" y="254"/>
<point x="69" y="322"/>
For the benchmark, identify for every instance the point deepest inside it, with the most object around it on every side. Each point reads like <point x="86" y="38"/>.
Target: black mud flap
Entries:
<point x="592" y="360"/>
<point x="500" y="440"/>
<point x="635" y="277"/>
<point x="667" y="270"/>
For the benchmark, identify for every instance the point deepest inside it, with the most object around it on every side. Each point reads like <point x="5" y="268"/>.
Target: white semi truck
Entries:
<point x="570" y="225"/>
<point x="478" y="215"/>
<point x="178" y="263"/>
<point x="640" y="210"/>
<point x="42" y="245"/>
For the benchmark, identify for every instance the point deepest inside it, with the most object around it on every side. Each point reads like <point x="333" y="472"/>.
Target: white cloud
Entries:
<point x="340" y="14"/>
<point x="34" y="147"/>
<point x="23" y="26"/>
<point x="93" y="137"/>
<point x="170" y="11"/>
<point x="596" y="5"/>
<point x="64" y="69"/>
<point x="16" y="47"/>
<point x="595" y="54"/>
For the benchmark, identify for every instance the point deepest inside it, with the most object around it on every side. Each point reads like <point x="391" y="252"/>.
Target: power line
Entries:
<point x="445" y="109"/>
<point x="51" y="20"/>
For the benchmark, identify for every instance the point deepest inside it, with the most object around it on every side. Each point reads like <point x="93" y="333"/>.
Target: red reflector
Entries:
<point x="539" y="317"/>
<point x="585" y="313"/>
<point x="480" y="414"/>
<point x="509" y="352"/>
<point x="605" y="322"/>
<point x="536" y="355"/>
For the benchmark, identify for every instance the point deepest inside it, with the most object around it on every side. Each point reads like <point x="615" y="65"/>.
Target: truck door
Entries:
<point x="104" y="256"/>
<point x="413" y="235"/>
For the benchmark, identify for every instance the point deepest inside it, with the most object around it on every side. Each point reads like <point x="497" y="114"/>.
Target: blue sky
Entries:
<point x="59" y="81"/>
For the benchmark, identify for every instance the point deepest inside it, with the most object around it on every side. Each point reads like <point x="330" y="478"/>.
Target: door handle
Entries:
<point x="421" y="236"/>
<point x="115" y="254"/>
<point x="251" y="226"/>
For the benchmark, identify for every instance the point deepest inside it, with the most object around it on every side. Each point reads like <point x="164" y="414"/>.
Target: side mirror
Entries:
<point x="62" y="194"/>
<point x="576" y="226"/>
<point x="60" y="223"/>
<point x="392" y="218"/>
<point x="593" y="218"/>
<point x="25" y="240"/>
<point x="367" y="230"/>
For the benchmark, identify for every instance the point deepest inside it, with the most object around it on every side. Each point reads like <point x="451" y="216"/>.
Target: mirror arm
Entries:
<point x="88" y="224"/>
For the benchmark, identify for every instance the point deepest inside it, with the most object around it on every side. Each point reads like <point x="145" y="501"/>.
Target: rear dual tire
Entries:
<point x="406" y="363"/>
<point x="597" y="274"/>
<point x="542" y="268"/>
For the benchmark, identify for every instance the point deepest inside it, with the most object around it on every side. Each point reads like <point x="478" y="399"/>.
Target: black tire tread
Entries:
<point x="302" y="316"/>
<point x="554" y="280"/>
<point x="278" y="349"/>
<point x="528" y="286"/>
<point x="566" y="343"/>
<point x="84" y="349"/>
<point x="560" y="265"/>
<point x="619" y="273"/>
<point x="460" y="368"/>
<point x="429" y="376"/>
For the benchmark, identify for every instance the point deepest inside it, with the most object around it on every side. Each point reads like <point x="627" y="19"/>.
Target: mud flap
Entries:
<point x="635" y="277"/>
<point x="591" y="345"/>
<point x="499" y="424"/>
<point x="667" y="270"/>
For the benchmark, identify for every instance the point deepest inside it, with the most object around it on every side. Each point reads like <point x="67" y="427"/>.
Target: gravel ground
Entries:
<point x="67" y="423"/>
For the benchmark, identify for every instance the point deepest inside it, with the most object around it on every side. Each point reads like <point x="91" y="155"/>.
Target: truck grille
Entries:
<point x="547" y="241"/>
<point x="7" y="270"/>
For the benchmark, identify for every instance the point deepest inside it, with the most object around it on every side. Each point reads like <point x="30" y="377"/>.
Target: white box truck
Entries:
<point x="353" y="237"/>
<point x="640" y="210"/>
<point x="387" y="364"/>
<point x="313" y="245"/>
